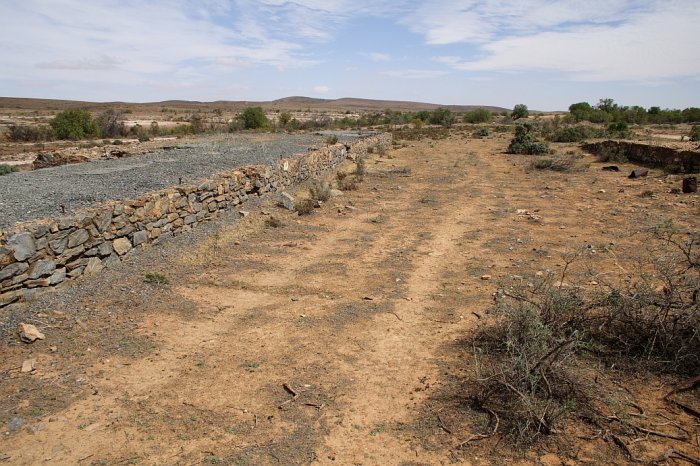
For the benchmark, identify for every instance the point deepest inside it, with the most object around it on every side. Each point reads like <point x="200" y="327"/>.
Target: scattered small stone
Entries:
<point x="601" y="191"/>
<point x="611" y="168"/>
<point x="28" y="333"/>
<point x="336" y="192"/>
<point x="15" y="424"/>
<point x="486" y="277"/>
<point x="28" y="365"/>
<point x="243" y="213"/>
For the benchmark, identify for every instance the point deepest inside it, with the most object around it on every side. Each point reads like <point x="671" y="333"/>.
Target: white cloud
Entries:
<point x="322" y="89"/>
<point x="648" y="46"/>
<point x="377" y="56"/>
<point x="101" y="63"/>
<point x="414" y="74"/>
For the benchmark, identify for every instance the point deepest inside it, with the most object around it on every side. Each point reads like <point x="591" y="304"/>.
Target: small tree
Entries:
<point x="520" y="111"/>
<point x="254" y="118"/>
<point x="197" y="123"/>
<point x="285" y="118"/>
<point x="111" y="124"/>
<point x="74" y="124"/>
<point x="442" y="116"/>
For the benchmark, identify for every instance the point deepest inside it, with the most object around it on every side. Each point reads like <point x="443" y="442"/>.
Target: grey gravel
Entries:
<point x="41" y="193"/>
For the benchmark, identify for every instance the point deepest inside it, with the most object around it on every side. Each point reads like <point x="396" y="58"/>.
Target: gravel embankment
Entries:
<point x="41" y="193"/>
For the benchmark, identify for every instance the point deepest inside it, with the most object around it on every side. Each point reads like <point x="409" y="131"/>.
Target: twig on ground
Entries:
<point x="442" y="425"/>
<point x="483" y="436"/>
<point x="293" y="392"/>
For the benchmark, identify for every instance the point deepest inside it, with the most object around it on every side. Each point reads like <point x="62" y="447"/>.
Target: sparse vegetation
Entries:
<point x="575" y="133"/>
<point x="156" y="278"/>
<point x="319" y="190"/>
<point x="695" y="133"/>
<point x="7" y="169"/>
<point x="611" y="154"/>
<point x="304" y="206"/>
<point x="111" y="124"/>
<point x="558" y="163"/>
<point x="273" y="222"/>
<point x="31" y="133"/>
<point x="532" y="362"/>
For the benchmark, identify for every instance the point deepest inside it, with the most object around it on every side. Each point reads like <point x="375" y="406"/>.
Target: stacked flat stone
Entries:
<point x="45" y="253"/>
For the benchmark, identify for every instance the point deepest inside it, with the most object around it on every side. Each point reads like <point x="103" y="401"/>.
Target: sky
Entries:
<point x="546" y="54"/>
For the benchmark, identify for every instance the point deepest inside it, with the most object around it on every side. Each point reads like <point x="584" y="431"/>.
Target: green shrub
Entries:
<point x="695" y="133"/>
<point x="481" y="133"/>
<point x="480" y="115"/>
<point x="254" y="118"/>
<point x="576" y="133"/>
<point x="332" y="140"/>
<point x="520" y="111"/>
<point x="442" y="116"/>
<point x="7" y="169"/>
<point x="284" y="119"/>
<point x="619" y="129"/>
<point x="74" y="125"/>
<point x="525" y="141"/>
<point x="197" y="123"/>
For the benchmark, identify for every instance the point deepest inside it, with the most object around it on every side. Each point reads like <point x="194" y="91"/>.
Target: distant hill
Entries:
<point x="286" y="103"/>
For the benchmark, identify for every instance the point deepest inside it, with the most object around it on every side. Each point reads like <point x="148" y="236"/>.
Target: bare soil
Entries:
<point x="337" y="337"/>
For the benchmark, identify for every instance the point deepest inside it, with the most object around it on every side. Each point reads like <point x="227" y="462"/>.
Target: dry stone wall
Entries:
<point x="670" y="159"/>
<point x="48" y="252"/>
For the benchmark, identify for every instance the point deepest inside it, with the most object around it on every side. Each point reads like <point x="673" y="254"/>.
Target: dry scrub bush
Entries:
<point x="558" y="163"/>
<point x="319" y="190"/>
<point x="533" y="363"/>
<point x="304" y="206"/>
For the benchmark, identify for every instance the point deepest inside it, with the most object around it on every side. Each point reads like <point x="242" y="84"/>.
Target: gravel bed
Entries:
<point x="41" y="193"/>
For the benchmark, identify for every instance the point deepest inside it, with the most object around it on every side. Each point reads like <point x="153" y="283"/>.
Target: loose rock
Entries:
<point x="28" y="333"/>
<point x="28" y="365"/>
<point x="286" y="200"/>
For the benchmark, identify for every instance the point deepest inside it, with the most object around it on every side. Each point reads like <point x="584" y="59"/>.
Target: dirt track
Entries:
<point x="359" y="310"/>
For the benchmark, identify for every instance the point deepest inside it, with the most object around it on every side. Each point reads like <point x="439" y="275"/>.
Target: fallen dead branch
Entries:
<point x="474" y="437"/>
<point x="292" y="392"/>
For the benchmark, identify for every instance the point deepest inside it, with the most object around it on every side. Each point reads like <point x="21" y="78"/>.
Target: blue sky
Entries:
<point x="544" y="53"/>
